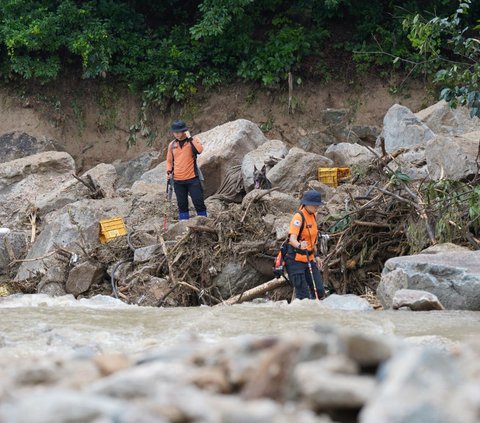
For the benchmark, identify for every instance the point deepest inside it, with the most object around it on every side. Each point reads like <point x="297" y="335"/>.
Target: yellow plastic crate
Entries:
<point x="332" y="176"/>
<point x="4" y="291"/>
<point x="111" y="229"/>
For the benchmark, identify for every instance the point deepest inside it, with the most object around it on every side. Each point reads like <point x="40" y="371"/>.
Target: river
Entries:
<point x="36" y="324"/>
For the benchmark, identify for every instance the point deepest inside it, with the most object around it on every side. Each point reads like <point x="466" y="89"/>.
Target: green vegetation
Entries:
<point x="450" y="49"/>
<point x="166" y="50"/>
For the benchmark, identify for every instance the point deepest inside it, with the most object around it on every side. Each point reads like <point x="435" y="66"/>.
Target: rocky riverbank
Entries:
<point x="100" y="360"/>
<point x="50" y="216"/>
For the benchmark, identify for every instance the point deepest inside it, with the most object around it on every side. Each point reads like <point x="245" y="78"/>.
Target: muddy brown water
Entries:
<point x="33" y="325"/>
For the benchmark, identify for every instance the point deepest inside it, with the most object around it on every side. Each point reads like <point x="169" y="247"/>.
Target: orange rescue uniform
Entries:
<point x="309" y="233"/>
<point x="181" y="159"/>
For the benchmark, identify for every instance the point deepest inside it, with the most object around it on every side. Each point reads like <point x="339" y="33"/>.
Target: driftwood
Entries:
<point x="255" y="199"/>
<point x="96" y="191"/>
<point x="257" y="291"/>
<point x="200" y="292"/>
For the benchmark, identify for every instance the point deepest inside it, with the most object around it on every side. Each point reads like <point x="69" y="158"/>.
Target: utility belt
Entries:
<point x="302" y="252"/>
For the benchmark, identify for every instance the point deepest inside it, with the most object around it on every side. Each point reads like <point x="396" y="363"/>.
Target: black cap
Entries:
<point x="179" y="126"/>
<point x="312" y="198"/>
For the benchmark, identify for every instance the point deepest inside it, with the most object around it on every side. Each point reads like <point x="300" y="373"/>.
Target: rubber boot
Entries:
<point x="202" y="213"/>
<point x="183" y="216"/>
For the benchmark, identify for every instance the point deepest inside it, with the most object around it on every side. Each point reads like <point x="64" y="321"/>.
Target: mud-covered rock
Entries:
<point x="15" y="145"/>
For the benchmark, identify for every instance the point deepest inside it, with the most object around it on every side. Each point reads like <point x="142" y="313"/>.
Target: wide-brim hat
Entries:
<point x="179" y="126"/>
<point x="312" y="198"/>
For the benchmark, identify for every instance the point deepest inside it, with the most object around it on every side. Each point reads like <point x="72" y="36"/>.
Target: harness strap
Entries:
<point x="196" y="169"/>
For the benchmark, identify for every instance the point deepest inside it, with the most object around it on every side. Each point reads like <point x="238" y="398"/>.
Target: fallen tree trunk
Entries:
<point x="256" y="292"/>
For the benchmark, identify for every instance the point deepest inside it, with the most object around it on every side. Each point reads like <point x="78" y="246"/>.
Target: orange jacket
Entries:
<point x="309" y="232"/>
<point x="182" y="160"/>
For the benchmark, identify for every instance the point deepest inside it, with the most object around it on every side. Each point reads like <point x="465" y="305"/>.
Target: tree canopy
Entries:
<point x="167" y="49"/>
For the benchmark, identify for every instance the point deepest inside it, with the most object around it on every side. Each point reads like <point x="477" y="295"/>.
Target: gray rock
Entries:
<point x="132" y="170"/>
<point x="281" y="225"/>
<point x="391" y="282"/>
<point x="416" y="300"/>
<point x="296" y="168"/>
<point x="454" y="277"/>
<point x="51" y="288"/>
<point x="83" y="276"/>
<point x="401" y="128"/>
<point x="24" y="182"/>
<point x="413" y="389"/>
<point x="323" y="390"/>
<point x="103" y="177"/>
<point x="59" y="406"/>
<point x="442" y="119"/>
<point x="236" y="277"/>
<point x="179" y="228"/>
<point x="443" y="248"/>
<point x="67" y="226"/>
<point x="346" y="154"/>
<point x="157" y="175"/>
<point x="225" y="146"/>
<point x="366" y="350"/>
<point x="16" y="145"/>
<point x="458" y="163"/>
<point x="326" y="190"/>
<point x="53" y="281"/>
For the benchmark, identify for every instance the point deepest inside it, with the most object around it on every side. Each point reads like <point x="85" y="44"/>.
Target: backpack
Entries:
<point x="197" y="170"/>
<point x="279" y="266"/>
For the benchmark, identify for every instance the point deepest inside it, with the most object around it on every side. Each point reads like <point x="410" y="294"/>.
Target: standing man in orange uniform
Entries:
<point x="182" y="167"/>
<point x="302" y="262"/>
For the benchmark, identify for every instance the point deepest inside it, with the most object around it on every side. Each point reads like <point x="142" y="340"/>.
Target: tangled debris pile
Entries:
<point x="392" y="218"/>
<point x="397" y="217"/>
<point x="187" y="266"/>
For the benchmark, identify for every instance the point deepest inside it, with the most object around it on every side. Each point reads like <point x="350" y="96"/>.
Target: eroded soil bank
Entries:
<point x="92" y="120"/>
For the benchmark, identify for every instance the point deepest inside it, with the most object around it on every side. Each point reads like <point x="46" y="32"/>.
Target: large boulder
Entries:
<point x="347" y="154"/>
<point x="83" y="276"/>
<point x="157" y="175"/>
<point x="103" y="177"/>
<point x="256" y="159"/>
<point x="452" y="157"/>
<point x="74" y="224"/>
<point x="453" y="276"/>
<point x="296" y="168"/>
<point x="423" y="385"/>
<point x="442" y="119"/>
<point x="225" y="146"/>
<point x="132" y="170"/>
<point x="237" y="277"/>
<point x="16" y="145"/>
<point x="401" y="128"/>
<point x="23" y="182"/>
